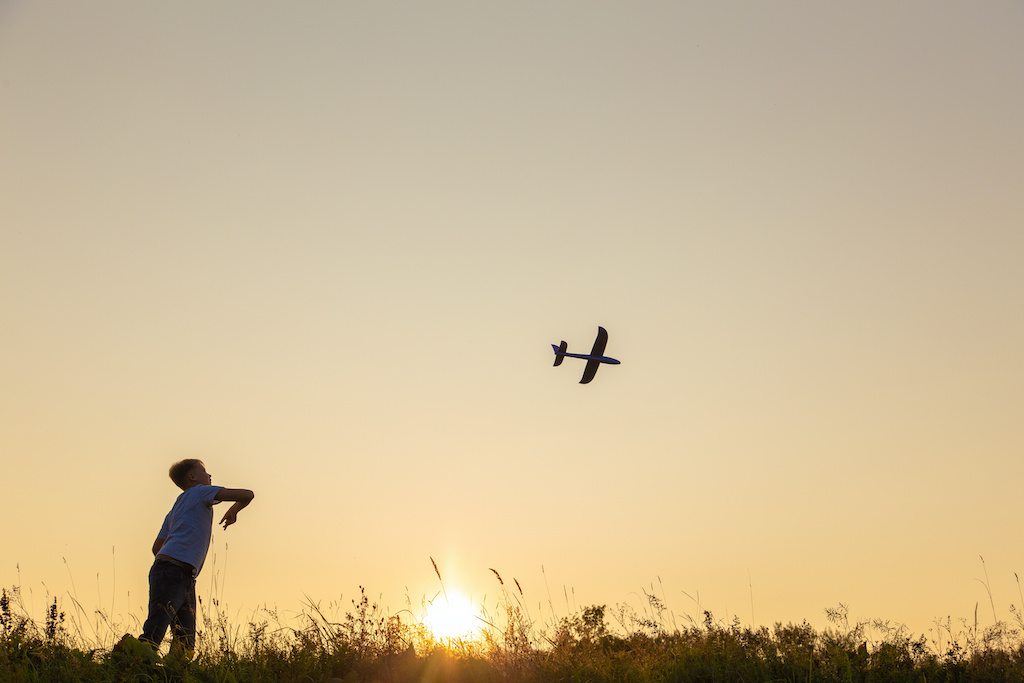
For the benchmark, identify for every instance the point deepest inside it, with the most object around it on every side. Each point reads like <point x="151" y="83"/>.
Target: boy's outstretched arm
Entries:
<point x="241" y="497"/>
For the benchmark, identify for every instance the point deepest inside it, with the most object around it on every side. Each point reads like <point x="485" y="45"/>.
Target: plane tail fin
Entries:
<point x="559" y="352"/>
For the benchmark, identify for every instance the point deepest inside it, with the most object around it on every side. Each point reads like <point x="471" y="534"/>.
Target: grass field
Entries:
<point x="362" y="642"/>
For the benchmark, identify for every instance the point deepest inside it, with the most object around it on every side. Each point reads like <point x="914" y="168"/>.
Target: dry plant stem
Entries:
<point x="440" y="580"/>
<point x="750" y="580"/>
<point x="551" y="605"/>
<point x="988" y="589"/>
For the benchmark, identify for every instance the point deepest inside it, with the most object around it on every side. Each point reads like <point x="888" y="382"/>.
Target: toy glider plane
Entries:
<point x="594" y="358"/>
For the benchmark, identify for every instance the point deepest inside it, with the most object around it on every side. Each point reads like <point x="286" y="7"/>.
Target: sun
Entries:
<point x="452" y="617"/>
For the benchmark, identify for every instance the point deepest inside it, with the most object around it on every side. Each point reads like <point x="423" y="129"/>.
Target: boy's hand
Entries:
<point x="242" y="497"/>
<point x="229" y="518"/>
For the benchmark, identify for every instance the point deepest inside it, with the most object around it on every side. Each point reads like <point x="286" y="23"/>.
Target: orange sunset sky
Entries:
<point x="325" y="247"/>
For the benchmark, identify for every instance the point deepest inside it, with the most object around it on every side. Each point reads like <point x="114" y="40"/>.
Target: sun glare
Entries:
<point x="451" y="617"/>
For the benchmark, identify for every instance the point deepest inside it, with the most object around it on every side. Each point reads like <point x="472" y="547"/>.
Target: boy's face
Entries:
<point x="198" y="475"/>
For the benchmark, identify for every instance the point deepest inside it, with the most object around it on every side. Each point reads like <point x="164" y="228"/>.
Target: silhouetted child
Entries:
<point x="180" y="549"/>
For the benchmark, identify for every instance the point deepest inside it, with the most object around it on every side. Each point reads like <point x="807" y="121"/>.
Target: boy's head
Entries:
<point x="188" y="473"/>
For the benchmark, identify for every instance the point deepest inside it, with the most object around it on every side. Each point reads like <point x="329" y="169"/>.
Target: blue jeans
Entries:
<point x="172" y="602"/>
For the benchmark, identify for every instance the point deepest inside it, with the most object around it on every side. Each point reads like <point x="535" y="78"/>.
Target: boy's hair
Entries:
<point x="180" y="470"/>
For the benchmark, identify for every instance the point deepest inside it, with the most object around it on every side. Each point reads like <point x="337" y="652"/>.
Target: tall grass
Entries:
<point x="361" y="641"/>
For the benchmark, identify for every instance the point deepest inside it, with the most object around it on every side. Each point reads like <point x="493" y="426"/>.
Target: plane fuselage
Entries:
<point x="585" y="356"/>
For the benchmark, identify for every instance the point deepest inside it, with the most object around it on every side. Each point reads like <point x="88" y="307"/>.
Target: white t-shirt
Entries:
<point x="188" y="527"/>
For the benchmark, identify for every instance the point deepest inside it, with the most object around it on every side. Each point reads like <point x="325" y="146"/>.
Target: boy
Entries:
<point x="180" y="550"/>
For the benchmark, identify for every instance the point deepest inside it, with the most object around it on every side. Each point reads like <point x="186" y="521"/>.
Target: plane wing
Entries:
<point x="600" y="342"/>
<point x="588" y="372"/>
<point x="595" y="362"/>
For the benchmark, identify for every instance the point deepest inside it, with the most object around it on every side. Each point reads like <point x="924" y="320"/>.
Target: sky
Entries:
<point x="325" y="248"/>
